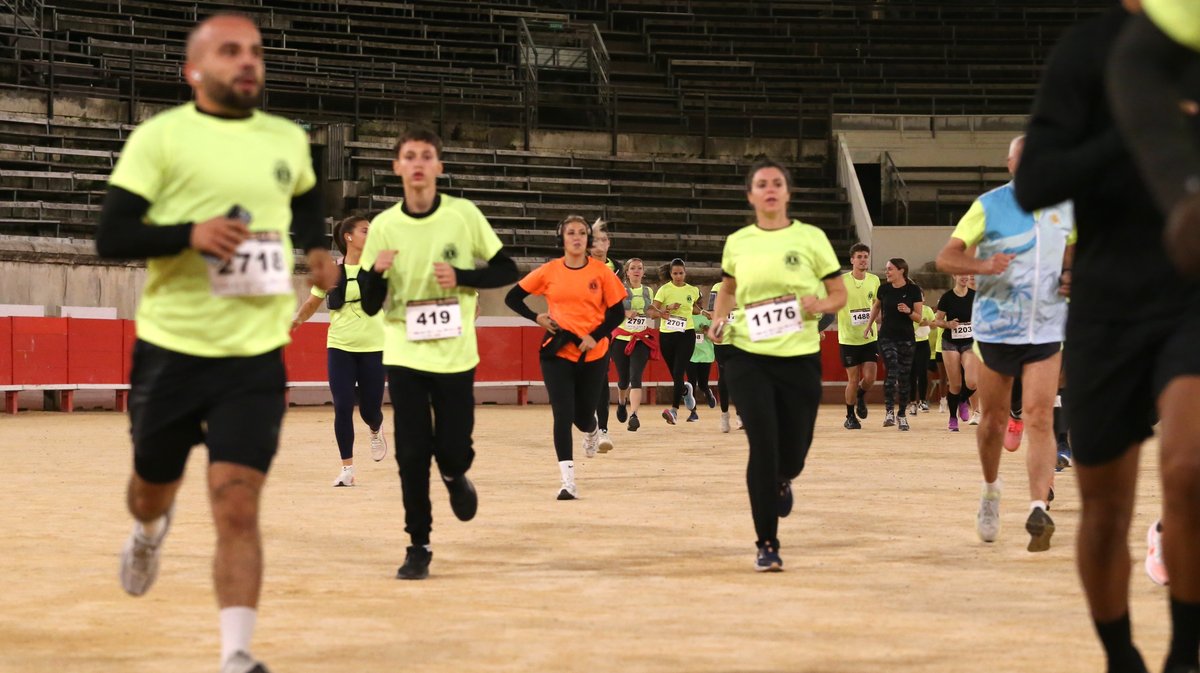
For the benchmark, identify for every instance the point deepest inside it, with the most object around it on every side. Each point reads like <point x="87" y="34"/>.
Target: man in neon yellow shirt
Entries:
<point x="208" y="193"/>
<point x="860" y="355"/>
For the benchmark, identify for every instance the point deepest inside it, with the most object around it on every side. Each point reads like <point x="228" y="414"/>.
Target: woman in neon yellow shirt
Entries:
<point x="355" y="351"/>
<point x="674" y="306"/>
<point x="777" y="270"/>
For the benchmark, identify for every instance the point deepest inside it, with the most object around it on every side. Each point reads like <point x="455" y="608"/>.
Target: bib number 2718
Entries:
<point x="257" y="268"/>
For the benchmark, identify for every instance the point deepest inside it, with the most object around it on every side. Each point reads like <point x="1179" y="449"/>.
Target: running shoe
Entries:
<point x="987" y="521"/>
<point x="942" y="406"/>
<point x="346" y="477"/>
<point x="693" y="417"/>
<point x="710" y="398"/>
<point x="416" y="563"/>
<point x="768" y="560"/>
<point x="622" y="414"/>
<point x="378" y="445"/>
<point x="912" y="409"/>
<point x="902" y="423"/>
<point x="140" y="556"/>
<point x="974" y="419"/>
<point x="634" y="423"/>
<point x="860" y="407"/>
<point x="1012" y="438"/>
<point x="464" y="501"/>
<point x="689" y="400"/>
<point x="923" y="406"/>
<point x="739" y="425"/>
<point x="1064" y="457"/>
<point x="606" y="443"/>
<point x="725" y="421"/>
<point x="889" y="418"/>
<point x="852" y="423"/>
<point x="591" y="441"/>
<point x="1040" y="527"/>
<point x="670" y="416"/>
<point x="964" y="411"/>
<point x="952" y="426"/>
<point x="567" y="492"/>
<point x="785" y="498"/>
<point x="242" y="662"/>
<point x="1156" y="569"/>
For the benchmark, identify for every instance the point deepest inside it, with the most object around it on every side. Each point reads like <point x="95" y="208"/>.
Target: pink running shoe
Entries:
<point x="952" y="426"/>
<point x="1156" y="570"/>
<point x="964" y="411"/>
<point x="1012" y="438"/>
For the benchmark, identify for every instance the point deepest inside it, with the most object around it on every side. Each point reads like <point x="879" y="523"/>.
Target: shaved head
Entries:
<point x="225" y="64"/>
<point x="208" y="31"/>
<point x="1014" y="153"/>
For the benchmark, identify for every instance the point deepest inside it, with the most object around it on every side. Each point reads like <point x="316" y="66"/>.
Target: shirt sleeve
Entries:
<point x="1179" y="20"/>
<point x="534" y="282"/>
<point x="614" y="290"/>
<point x="970" y="227"/>
<point x="141" y="168"/>
<point x="824" y="259"/>
<point x="728" y="262"/>
<point x="317" y="292"/>
<point x="661" y="294"/>
<point x="308" y="177"/>
<point x="376" y="241"/>
<point x="486" y="243"/>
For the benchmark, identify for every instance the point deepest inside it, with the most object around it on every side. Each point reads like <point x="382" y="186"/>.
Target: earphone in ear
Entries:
<point x="562" y="228"/>
<point x="195" y="77"/>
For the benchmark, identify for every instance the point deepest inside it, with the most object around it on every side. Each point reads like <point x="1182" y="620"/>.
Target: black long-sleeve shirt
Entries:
<point x="500" y="271"/>
<point x="1073" y="150"/>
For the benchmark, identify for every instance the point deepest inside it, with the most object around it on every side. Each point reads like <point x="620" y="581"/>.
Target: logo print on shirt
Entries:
<point x="594" y="286"/>
<point x="283" y="174"/>
<point x="792" y="258"/>
<point x="449" y="253"/>
<point x="870" y="295"/>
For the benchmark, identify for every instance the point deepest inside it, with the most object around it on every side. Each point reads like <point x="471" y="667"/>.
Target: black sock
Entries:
<point x="966" y="393"/>
<point x="849" y="411"/>
<point x="861" y="393"/>
<point x="1185" y="634"/>
<point x="953" y="404"/>
<point x="1117" y="638"/>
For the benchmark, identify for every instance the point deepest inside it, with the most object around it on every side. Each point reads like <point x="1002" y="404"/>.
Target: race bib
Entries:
<point x="258" y="268"/>
<point x="674" y="324"/>
<point x="637" y="323"/>
<point x="699" y="338"/>
<point x="859" y="316"/>
<point x="433" y="319"/>
<point x="963" y="331"/>
<point x="773" y="317"/>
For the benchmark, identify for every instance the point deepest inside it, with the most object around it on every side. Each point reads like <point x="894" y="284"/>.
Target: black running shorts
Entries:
<point x="956" y="346"/>
<point x="853" y="356"/>
<point x="1010" y="359"/>
<point x="1115" y="374"/>
<point x="176" y="401"/>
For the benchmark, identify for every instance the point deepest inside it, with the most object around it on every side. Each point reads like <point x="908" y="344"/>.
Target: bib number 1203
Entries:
<point x="773" y="317"/>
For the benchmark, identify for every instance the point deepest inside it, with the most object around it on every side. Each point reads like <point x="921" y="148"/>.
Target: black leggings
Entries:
<point x="920" y="371"/>
<point x="630" y="367"/>
<point x="434" y="415"/>
<point x="778" y="399"/>
<point x="698" y="374"/>
<point x="677" y="349"/>
<point x="898" y="358"/>
<point x="605" y="393"/>
<point x="573" y="388"/>
<point x="346" y="370"/>
<point x="722" y="353"/>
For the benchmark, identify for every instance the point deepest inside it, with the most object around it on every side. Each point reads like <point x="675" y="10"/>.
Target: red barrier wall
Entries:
<point x="95" y="351"/>
<point x="39" y="351"/>
<point x="305" y="358"/>
<point x="6" y="351"/>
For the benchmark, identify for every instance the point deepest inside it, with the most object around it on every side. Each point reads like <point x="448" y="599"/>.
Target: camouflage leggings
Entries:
<point x="898" y="359"/>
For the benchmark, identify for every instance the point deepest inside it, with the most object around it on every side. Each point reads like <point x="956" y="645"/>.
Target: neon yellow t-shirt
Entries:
<point x="771" y="264"/>
<point x="927" y="314"/>
<point x="350" y="328"/>
<point x="1179" y="19"/>
<point x="733" y="314"/>
<point x="455" y="232"/>
<point x="685" y="296"/>
<point x="193" y="167"/>
<point x="637" y="303"/>
<point x="852" y="319"/>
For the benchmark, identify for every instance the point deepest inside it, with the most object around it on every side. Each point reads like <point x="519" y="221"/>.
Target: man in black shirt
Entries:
<point x="1126" y="331"/>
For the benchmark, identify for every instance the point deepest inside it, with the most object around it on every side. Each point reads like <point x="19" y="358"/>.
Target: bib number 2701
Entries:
<point x="773" y="317"/>
<point x="433" y="319"/>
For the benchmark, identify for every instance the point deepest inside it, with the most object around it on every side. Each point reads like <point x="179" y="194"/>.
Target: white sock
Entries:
<point x="152" y="529"/>
<point x="347" y="467"/>
<point x="993" y="487"/>
<point x="1036" y="504"/>
<point x="237" y="629"/>
<point x="567" y="469"/>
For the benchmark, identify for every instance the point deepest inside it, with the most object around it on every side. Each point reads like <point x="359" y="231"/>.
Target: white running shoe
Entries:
<point x="924" y="407"/>
<point x="605" y="444"/>
<point x="1156" y="569"/>
<point x="378" y="445"/>
<point x="725" y="421"/>
<point x="567" y="491"/>
<point x="346" y="477"/>
<point x="739" y="425"/>
<point x="591" y="442"/>
<point x="689" y="400"/>
<point x="139" y="558"/>
<point x="942" y="406"/>
<point x="987" y="521"/>
<point x="974" y="418"/>
<point x="242" y="662"/>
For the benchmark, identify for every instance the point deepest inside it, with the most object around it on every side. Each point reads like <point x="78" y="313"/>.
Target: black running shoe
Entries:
<point x="785" y="498"/>
<point x="416" y="564"/>
<point x="768" y="560"/>
<point x="712" y="399"/>
<point x="622" y="415"/>
<point x="463" y="499"/>
<point x="634" y="423"/>
<point x="852" y="423"/>
<point x="1040" y="527"/>
<point x="860" y="407"/>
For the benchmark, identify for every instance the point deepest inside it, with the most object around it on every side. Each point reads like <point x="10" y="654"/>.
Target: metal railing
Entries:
<point x="897" y="189"/>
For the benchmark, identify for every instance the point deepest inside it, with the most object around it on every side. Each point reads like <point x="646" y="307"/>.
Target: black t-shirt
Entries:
<point x="956" y="308"/>
<point x="894" y="324"/>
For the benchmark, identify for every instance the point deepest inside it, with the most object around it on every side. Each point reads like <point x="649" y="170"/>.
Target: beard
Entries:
<point x="228" y="96"/>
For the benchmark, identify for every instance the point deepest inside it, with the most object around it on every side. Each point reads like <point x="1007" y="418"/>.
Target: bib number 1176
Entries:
<point x="773" y="317"/>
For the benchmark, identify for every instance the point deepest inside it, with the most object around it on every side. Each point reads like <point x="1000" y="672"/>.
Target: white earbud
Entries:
<point x="196" y="77"/>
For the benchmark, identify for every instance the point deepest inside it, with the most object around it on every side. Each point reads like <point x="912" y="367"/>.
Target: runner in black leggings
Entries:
<point x="897" y="306"/>
<point x="674" y="305"/>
